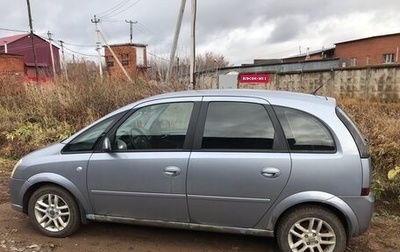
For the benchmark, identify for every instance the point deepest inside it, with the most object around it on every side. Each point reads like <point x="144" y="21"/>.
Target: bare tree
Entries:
<point x="180" y="70"/>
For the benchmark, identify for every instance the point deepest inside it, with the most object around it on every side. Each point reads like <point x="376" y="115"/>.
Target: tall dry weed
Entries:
<point x="47" y="112"/>
<point x="380" y="124"/>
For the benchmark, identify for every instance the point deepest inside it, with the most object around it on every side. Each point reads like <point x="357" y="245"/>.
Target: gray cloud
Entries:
<point x="232" y="27"/>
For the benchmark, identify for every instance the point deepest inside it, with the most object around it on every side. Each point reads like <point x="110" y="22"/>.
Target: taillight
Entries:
<point x="365" y="191"/>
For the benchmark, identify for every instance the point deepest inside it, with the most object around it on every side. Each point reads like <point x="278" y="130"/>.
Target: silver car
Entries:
<point x="266" y="163"/>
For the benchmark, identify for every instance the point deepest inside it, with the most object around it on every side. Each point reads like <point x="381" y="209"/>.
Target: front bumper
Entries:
<point x="16" y="193"/>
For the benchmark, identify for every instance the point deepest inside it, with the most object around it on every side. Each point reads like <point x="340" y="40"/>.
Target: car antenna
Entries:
<point x="323" y="84"/>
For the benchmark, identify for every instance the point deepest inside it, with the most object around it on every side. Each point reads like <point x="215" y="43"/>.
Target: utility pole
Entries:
<point x="176" y="37"/>
<point x="32" y="41"/>
<point x="51" y="53"/>
<point x="98" y="43"/>
<point x="131" y="23"/>
<point x="63" y="59"/>
<point x="193" y="45"/>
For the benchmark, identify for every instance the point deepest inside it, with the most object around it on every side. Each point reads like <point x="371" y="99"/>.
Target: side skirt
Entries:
<point x="182" y="225"/>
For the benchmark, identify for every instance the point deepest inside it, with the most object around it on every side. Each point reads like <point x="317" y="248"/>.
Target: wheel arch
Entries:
<point x="43" y="179"/>
<point x="321" y="199"/>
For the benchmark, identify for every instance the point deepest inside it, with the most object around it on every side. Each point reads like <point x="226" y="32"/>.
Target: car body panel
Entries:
<point x="232" y="190"/>
<point x="129" y="185"/>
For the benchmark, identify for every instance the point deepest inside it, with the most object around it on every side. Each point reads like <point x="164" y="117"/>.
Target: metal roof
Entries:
<point x="11" y="39"/>
<point x="373" y="37"/>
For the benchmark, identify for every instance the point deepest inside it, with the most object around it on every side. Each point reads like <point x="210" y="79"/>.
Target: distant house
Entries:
<point x="132" y="56"/>
<point x="22" y="45"/>
<point x="325" y="53"/>
<point x="371" y="51"/>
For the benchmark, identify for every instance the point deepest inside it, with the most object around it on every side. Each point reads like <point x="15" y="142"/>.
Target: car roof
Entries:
<point x="275" y="97"/>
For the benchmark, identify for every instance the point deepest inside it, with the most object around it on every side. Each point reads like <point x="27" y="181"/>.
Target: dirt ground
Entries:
<point x="17" y="234"/>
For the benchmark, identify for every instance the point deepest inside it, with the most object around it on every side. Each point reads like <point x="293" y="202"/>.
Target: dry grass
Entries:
<point x="380" y="124"/>
<point x="48" y="112"/>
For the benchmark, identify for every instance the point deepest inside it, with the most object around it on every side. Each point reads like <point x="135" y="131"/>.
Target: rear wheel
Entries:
<point x="54" y="212"/>
<point x="311" y="229"/>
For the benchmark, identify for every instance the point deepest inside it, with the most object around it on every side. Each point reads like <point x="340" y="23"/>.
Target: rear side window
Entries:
<point x="237" y="125"/>
<point x="304" y="132"/>
<point x="358" y="137"/>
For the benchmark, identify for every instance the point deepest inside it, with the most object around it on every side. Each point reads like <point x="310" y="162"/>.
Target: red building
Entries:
<point x="22" y="45"/>
<point x="132" y="56"/>
<point x="371" y="51"/>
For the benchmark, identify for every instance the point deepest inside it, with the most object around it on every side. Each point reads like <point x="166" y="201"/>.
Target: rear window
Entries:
<point x="362" y="144"/>
<point x="305" y="132"/>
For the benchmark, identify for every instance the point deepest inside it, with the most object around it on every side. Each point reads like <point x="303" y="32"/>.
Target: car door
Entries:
<point x="144" y="175"/>
<point x="239" y="165"/>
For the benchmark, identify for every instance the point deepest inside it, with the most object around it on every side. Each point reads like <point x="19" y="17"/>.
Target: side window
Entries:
<point x="304" y="132"/>
<point x="237" y="125"/>
<point x="88" y="140"/>
<point x="161" y="126"/>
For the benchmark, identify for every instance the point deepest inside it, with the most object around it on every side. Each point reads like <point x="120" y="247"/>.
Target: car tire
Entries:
<point x="54" y="211"/>
<point x="311" y="228"/>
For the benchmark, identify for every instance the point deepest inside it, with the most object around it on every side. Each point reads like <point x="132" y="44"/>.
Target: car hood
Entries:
<point x="50" y="150"/>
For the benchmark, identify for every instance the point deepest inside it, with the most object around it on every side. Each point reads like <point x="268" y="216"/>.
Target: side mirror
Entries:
<point x="106" y="145"/>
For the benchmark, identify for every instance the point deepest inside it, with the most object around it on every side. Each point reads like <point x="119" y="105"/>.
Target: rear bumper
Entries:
<point x="363" y="207"/>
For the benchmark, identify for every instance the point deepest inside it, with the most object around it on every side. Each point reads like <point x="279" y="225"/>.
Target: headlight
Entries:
<point x="16" y="166"/>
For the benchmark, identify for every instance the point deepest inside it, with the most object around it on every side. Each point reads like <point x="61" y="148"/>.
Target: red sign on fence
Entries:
<point x="254" y="78"/>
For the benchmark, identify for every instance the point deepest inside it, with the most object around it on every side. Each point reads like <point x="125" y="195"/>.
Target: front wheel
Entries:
<point x="54" y="212"/>
<point x="309" y="229"/>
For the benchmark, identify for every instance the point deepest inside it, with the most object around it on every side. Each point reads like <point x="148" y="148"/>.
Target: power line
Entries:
<point x="127" y="8"/>
<point x="107" y="12"/>
<point x="83" y="54"/>
<point x="77" y="45"/>
<point x="123" y="10"/>
<point x="158" y="57"/>
<point x="6" y="29"/>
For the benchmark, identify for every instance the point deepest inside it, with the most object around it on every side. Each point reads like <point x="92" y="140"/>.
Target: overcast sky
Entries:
<point x="239" y="30"/>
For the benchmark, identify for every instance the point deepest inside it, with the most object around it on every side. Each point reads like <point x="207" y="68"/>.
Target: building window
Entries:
<point x="353" y="61"/>
<point x="344" y="63"/>
<point x="109" y="61"/>
<point x="368" y="61"/>
<point x="388" y="58"/>
<point x="124" y="59"/>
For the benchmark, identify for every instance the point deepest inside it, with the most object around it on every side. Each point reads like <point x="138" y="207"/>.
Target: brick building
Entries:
<point x="22" y="45"/>
<point x="369" y="51"/>
<point x="11" y="65"/>
<point x="132" y="56"/>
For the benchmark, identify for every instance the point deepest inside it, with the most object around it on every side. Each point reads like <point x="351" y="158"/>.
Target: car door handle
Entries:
<point x="172" y="171"/>
<point x="271" y="172"/>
